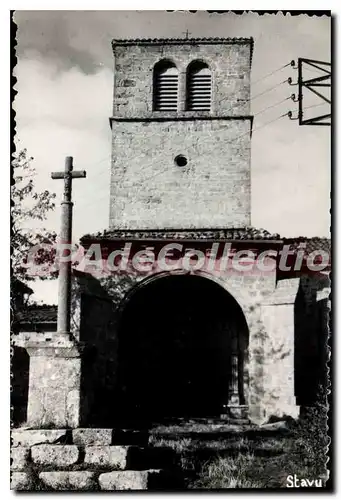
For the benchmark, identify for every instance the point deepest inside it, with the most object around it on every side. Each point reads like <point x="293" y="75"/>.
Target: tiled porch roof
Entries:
<point x="245" y="233"/>
<point x="315" y="243"/>
<point x="242" y="234"/>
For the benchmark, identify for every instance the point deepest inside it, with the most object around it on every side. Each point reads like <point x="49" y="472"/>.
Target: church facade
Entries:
<point x="187" y="326"/>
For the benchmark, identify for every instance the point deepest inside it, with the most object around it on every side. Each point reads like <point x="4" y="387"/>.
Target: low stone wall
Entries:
<point x="82" y="459"/>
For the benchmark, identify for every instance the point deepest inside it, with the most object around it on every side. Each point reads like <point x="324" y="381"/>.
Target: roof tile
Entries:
<point x="245" y="233"/>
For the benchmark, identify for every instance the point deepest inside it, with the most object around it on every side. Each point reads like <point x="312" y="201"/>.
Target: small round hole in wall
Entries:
<point x="180" y="161"/>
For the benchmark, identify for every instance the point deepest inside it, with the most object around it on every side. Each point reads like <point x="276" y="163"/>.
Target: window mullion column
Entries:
<point x="182" y="92"/>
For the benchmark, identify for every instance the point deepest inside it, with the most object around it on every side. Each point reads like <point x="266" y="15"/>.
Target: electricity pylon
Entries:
<point x="321" y="81"/>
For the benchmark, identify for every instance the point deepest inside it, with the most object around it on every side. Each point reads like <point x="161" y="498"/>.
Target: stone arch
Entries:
<point x="182" y="344"/>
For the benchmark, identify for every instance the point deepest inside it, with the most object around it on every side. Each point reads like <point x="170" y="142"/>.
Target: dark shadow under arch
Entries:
<point x="178" y="337"/>
<point x="19" y="385"/>
<point x="311" y="337"/>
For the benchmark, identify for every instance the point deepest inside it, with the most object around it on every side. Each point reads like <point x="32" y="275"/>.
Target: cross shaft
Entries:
<point x="64" y="277"/>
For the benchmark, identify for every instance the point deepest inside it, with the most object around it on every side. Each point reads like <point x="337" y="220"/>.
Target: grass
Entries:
<point x="227" y="472"/>
<point x="254" y="462"/>
<point x="303" y="453"/>
<point x="178" y="445"/>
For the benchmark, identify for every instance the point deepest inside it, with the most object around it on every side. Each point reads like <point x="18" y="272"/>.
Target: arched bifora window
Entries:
<point x="199" y="87"/>
<point x="165" y="91"/>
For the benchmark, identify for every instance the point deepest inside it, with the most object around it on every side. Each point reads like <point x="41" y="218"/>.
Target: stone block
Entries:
<point x="107" y="456"/>
<point x="54" y="383"/>
<point x="21" y="481"/>
<point x="55" y="455"/>
<point x="19" y="458"/>
<point x="90" y="437"/>
<point x="75" y="480"/>
<point x="28" y="437"/>
<point x="126" y="480"/>
<point x="73" y="407"/>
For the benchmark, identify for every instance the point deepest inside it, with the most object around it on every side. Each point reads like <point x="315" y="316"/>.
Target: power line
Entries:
<point x="258" y="128"/>
<point x="272" y="106"/>
<point x="271" y="73"/>
<point x="258" y="95"/>
<point x="268" y="90"/>
<point x="262" y="93"/>
<point x="268" y="123"/>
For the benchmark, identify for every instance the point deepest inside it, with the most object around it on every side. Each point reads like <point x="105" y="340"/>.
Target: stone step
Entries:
<point x="100" y="457"/>
<point x="55" y="455"/>
<point x="110" y="436"/>
<point x="93" y="480"/>
<point x="206" y="432"/>
<point x="22" y="481"/>
<point x="30" y="437"/>
<point x="68" y="481"/>
<point x="135" y="480"/>
<point x="129" y="457"/>
<point x="92" y="437"/>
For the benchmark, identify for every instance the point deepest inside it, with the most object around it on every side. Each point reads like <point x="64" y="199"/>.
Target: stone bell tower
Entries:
<point x="181" y="132"/>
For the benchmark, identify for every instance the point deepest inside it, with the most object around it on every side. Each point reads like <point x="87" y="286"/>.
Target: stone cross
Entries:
<point x="64" y="278"/>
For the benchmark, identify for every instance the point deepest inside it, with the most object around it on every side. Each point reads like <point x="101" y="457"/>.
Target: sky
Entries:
<point x="65" y="85"/>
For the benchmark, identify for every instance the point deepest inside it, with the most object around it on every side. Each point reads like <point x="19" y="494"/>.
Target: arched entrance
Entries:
<point x="182" y="346"/>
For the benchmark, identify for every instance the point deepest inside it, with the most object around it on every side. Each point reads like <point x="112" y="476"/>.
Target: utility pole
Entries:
<point x="64" y="277"/>
<point x="319" y="85"/>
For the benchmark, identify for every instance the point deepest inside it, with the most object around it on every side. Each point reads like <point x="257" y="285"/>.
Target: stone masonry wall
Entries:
<point x="229" y="63"/>
<point x="82" y="459"/>
<point x="149" y="191"/>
